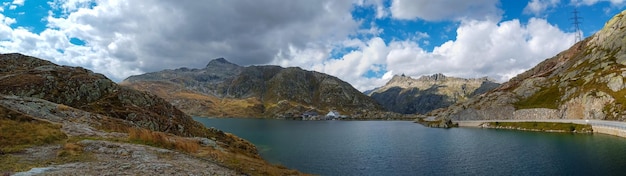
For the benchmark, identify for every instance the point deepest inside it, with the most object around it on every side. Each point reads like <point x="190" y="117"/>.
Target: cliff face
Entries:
<point x="583" y="82"/>
<point x="223" y="89"/>
<point x="406" y="95"/>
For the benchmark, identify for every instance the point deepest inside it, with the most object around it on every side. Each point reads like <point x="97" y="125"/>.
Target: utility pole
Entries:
<point x="576" y="22"/>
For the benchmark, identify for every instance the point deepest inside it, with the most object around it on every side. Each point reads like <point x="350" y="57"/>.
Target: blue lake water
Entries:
<point x="406" y="148"/>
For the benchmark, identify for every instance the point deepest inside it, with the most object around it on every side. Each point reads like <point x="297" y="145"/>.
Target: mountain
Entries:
<point x="584" y="82"/>
<point x="403" y="94"/>
<point x="223" y="89"/>
<point x="71" y="120"/>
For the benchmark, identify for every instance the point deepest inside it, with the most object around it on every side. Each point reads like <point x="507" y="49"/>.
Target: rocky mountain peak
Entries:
<point x="220" y="62"/>
<point x="404" y="94"/>
<point x="399" y="79"/>
<point x="434" y="77"/>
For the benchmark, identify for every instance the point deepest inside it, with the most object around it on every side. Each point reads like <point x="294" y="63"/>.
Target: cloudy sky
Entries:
<point x="363" y="42"/>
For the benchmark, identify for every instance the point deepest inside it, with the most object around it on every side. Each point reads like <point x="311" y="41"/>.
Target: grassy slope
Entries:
<point x="542" y="126"/>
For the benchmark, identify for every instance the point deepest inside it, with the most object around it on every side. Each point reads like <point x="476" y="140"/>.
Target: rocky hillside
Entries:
<point x="403" y="94"/>
<point x="223" y="89"/>
<point x="583" y="82"/>
<point x="26" y="76"/>
<point x="70" y="120"/>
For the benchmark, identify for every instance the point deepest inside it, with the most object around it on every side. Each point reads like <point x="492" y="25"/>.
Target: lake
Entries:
<point x="406" y="148"/>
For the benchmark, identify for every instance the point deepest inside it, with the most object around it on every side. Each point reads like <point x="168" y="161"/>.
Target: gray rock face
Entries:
<point x="616" y="83"/>
<point x="583" y="82"/>
<point x="403" y="94"/>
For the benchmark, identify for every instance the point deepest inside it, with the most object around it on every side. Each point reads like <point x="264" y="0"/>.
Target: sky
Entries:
<point x="363" y="42"/>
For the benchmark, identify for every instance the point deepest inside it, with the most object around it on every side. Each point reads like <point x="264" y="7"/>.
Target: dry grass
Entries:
<point x="18" y="132"/>
<point x="237" y="161"/>
<point x="70" y="152"/>
<point x="245" y="164"/>
<point x="62" y="107"/>
<point x="71" y="149"/>
<point x="164" y="140"/>
<point x="193" y="96"/>
<point x="109" y="124"/>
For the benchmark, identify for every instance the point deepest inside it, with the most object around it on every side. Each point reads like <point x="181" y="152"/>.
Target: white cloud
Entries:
<point x="436" y="10"/>
<point x="18" y="2"/>
<point x="122" y="40"/>
<point x="538" y="7"/>
<point x="131" y="37"/>
<point x="482" y="48"/>
<point x="68" y="6"/>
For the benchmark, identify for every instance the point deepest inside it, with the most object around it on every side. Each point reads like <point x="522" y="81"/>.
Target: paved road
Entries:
<point x="603" y="123"/>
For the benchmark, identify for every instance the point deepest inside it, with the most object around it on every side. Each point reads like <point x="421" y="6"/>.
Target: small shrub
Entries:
<point x="572" y="128"/>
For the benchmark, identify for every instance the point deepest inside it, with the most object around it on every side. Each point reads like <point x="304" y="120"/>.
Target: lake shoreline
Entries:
<point x="345" y="119"/>
<point x="614" y="128"/>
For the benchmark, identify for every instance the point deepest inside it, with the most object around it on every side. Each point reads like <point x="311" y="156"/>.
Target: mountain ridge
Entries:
<point x="585" y="81"/>
<point x="403" y="94"/>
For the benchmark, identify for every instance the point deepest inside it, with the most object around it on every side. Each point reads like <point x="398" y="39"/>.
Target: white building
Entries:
<point x="332" y="115"/>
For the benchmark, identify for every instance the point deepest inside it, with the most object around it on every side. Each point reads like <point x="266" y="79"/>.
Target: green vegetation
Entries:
<point x="543" y="126"/>
<point x="544" y="98"/>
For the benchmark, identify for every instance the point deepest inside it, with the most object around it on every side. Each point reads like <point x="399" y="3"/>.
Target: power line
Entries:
<point x="576" y="22"/>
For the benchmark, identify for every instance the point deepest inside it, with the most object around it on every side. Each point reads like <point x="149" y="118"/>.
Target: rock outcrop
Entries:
<point x="403" y="94"/>
<point x="223" y="89"/>
<point x="27" y="76"/>
<point x="583" y="82"/>
<point x="69" y="120"/>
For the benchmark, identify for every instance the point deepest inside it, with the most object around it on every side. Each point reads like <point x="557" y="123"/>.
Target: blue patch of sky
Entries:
<point x="376" y="74"/>
<point x="591" y="20"/>
<point x="514" y="10"/>
<point x="592" y="17"/>
<point x="398" y="30"/>
<point x="438" y="32"/>
<point x="77" y="41"/>
<point x="30" y="16"/>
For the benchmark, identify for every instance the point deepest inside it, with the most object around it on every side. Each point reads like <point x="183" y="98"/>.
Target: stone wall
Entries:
<point x="609" y="131"/>
<point x="536" y="114"/>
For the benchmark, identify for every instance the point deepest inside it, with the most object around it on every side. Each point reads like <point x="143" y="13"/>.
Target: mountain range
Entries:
<point x="224" y="89"/>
